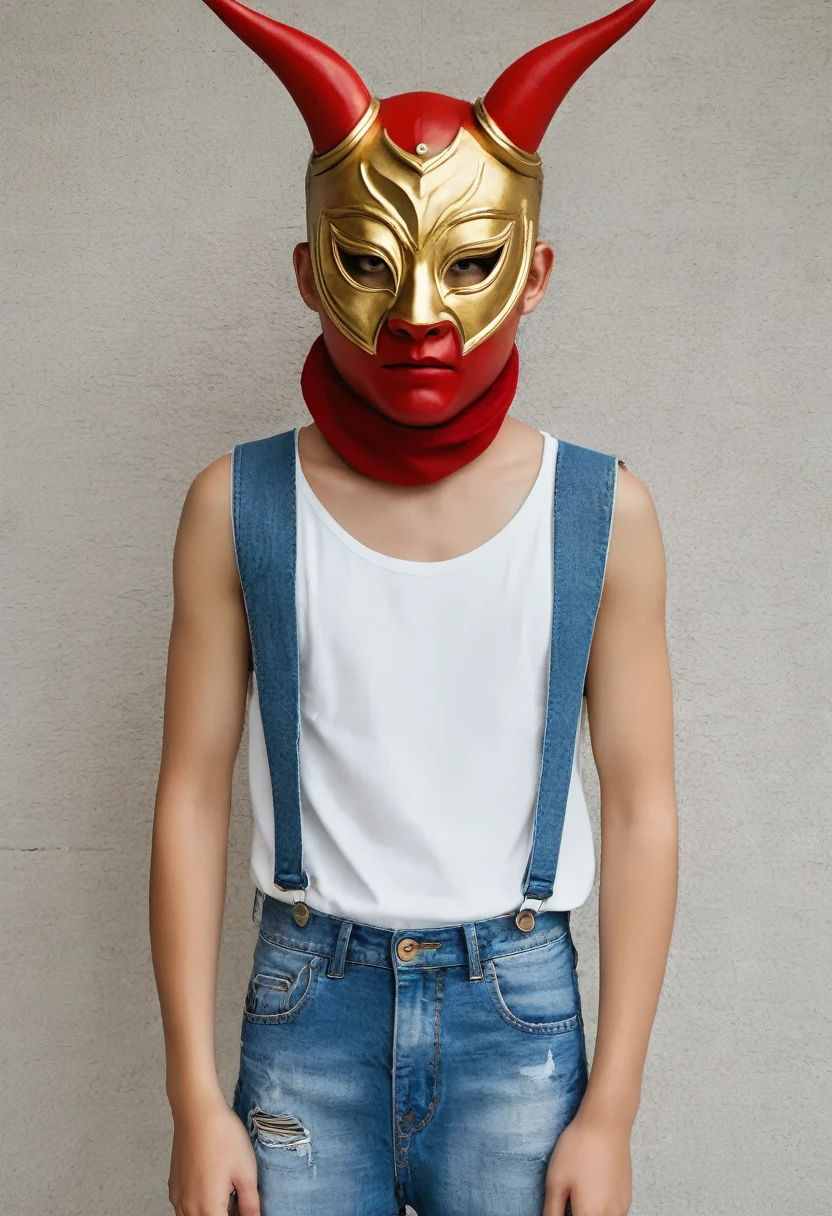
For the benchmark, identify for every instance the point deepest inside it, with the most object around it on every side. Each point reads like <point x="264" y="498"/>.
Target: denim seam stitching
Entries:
<point x="273" y="941"/>
<point x="283" y="986"/>
<point x="339" y="975"/>
<point x="436" y="1049"/>
<point x="401" y="1143"/>
<point x="475" y="950"/>
<point x="538" y="814"/>
<point x="288" y="1015"/>
<point x="562" y="1026"/>
<point x="294" y="512"/>
<point x="306" y="949"/>
<point x="354" y="962"/>
<point x="237" y="493"/>
<point x="527" y="949"/>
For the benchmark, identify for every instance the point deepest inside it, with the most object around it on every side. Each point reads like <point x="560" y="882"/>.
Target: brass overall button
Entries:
<point x="300" y="913"/>
<point x="407" y="949"/>
<point x="525" y="920"/>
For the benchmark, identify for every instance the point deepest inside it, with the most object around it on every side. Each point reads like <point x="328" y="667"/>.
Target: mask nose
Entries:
<point x="410" y="330"/>
<point x="418" y="311"/>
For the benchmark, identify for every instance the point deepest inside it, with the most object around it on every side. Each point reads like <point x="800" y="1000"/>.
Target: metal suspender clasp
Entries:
<point x="526" y="913"/>
<point x="300" y="909"/>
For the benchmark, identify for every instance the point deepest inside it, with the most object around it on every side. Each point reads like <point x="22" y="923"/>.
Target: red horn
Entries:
<point x="523" y="101"/>
<point x="329" y="93"/>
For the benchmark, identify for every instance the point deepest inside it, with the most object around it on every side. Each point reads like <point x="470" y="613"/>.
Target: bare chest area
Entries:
<point x="431" y="523"/>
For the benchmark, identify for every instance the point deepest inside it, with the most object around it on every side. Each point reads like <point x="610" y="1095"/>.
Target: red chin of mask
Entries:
<point x="417" y="409"/>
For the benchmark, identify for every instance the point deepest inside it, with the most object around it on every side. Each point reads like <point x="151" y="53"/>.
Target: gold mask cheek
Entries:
<point x="357" y="310"/>
<point x="481" y="309"/>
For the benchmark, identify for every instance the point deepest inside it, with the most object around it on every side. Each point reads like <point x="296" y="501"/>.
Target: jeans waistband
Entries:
<point x="463" y="945"/>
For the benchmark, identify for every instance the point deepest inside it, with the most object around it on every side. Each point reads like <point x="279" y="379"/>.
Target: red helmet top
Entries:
<point x="332" y="97"/>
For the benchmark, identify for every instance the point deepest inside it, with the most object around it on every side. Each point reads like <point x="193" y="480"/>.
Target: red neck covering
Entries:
<point x="386" y="450"/>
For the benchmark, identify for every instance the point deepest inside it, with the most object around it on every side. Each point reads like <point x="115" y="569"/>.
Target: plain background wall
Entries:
<point x="152" y="193"/>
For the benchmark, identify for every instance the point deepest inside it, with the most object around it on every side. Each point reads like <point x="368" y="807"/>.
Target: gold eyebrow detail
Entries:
<point x="412" y="207"/>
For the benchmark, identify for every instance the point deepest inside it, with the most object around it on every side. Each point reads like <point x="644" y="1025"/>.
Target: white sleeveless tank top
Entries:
<point x="423" y="699"/>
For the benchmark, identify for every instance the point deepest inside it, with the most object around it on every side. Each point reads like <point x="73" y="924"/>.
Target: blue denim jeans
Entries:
<point x="433" y="1068"/>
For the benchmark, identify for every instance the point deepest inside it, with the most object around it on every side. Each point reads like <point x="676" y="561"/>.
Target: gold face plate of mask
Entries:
<point x="477" y="198"/>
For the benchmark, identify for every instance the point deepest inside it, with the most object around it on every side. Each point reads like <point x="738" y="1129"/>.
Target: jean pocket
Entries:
<point x="282" y="984"/>
<point x="535" y="990"/>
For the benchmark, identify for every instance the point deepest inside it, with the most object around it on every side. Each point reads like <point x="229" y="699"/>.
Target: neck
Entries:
<point x="390" y="451"/>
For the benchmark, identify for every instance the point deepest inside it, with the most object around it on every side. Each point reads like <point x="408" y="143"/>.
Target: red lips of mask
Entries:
<point x="418" y="375"/>
<point x="417" y="409"/>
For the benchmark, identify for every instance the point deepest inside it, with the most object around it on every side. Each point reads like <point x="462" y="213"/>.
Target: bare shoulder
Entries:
<point x="204" y="550"/>
<point x="634" y="506"/>
<point x="629" y="644"/>
<point x="636" y="555"/>
<point x="209" y="653"/>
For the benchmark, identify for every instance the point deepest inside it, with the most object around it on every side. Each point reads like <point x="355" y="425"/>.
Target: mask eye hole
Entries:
<point x="472" y="270"/>
<point x="368" y="270"/>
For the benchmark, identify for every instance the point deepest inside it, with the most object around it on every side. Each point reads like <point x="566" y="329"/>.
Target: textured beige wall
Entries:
<point x="153" y="194"/>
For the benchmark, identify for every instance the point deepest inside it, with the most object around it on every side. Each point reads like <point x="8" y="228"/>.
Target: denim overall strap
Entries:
<point x="265" y="543"/>
<point x="585" y="484"/>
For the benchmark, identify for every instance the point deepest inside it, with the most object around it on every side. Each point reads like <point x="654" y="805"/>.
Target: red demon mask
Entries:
<point x="422" y="219"/>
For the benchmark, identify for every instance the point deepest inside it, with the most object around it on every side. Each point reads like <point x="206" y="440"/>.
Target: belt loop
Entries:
<point x="335" y="969"/>
<point x="257" y="906"/>
<point x="474" y="964"/>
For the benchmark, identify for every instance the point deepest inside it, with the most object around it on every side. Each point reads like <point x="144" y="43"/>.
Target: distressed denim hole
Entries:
<point x="281" y="1132"/>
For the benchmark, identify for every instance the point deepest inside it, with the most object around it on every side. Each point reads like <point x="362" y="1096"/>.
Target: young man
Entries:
<point x="414" y="597"/>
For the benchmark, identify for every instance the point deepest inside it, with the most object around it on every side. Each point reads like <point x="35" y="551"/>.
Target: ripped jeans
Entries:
<point x="428" y="1068"/>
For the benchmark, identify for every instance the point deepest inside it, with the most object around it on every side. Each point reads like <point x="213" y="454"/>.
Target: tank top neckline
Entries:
<point x="404" y="565"/>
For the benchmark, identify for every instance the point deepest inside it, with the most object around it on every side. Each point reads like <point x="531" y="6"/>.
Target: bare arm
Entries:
<point x="629" y="703"/>
<point x="205" y="703"/>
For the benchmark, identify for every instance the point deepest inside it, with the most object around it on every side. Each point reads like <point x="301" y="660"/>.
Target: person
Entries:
<point x="417" y="600"/>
